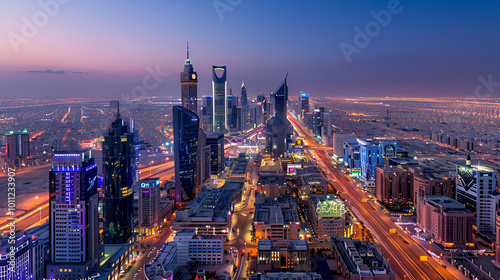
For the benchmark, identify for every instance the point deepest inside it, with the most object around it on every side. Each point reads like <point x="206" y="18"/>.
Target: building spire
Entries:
<point x="187" y="47"/>
<point x="242" y="83"/>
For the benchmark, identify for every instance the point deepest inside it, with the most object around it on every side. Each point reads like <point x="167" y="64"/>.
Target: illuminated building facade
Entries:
<point x="327" y="216"/>
<point x="393" y="185"/>
<point x="149" y="206"/>
<point x="189" y="86"/>
<point x="74" y="227"/>
<point x="283" y="255"/>
<point x="118" y="161"/>
<point x="476" y="188"/>
<point x="21" y="268"/>
<point x="186" y="133"/>
<point x="18" y="147"/>
<point x="446" y="220"/>
<point x="219" y="93"/>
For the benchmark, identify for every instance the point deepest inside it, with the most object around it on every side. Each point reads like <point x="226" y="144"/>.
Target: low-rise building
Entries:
<point x="446" y="220"/>
<point x="166" y="261"/>
<point x="361" y="260"/>
<point x="283" y="255"/>
<point x="393" y="184"/>
<point x="327" y="215"/>
<point x="276" y="217"/>
<point x="312" y="183"/>
<point x="432" y="184"/>
<point x="204" y="249"/>
<point x="272" y="184"/>
<point x="210" y="212"/>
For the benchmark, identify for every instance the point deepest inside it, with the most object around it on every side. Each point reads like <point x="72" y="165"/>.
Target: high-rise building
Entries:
<point x="244" y="98"/>
<point x="18" y="147"/>
<point x="207" y="113"/>
<point x="304" y="102"/>
<point x="186" y="133"/>
<point x="279" y="124"/>
<point x="149" y="206"/>
<point x="318" y="121"/>
<point x="216" y="142"/>
<point x="327" y="216"/>
<point x="189" y="85"/>
<point x="74" y="226"/>
<point x="219" y="92"/>
<point x="118" y="162"/>
<point x="232" y="104"/>
<point x="476" y="188"/>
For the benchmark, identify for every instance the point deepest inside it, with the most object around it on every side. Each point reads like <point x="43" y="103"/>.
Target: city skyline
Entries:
<point x="423" y="48"/>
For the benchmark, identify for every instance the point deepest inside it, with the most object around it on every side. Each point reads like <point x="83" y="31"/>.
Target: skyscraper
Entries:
<point x="208" y="113"/>
<point x="279" y="123"/>
<point x="244" y="99"/>
<point x="74" y="227"/>
<point x="304" y="102"/>
<point x="186" y="133"/>
<point x="189" y="86"/>
<point x="219" y="90"/>
<point x="18" y="147"/>
<point x="118" y="162"/>
<point x="216" y="142"/>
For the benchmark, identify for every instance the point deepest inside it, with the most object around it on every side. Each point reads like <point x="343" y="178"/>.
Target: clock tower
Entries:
<point x="189" y="86"/>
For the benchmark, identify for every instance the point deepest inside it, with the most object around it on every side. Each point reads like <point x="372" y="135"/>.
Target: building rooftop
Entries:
<point x="267" y="179"/>
<point x="276" y="210"/>
<point x="362" y="257"/>
<point x="212" y="202"/>
<point x="280" y="245"/>
<point x="444" y="201"/>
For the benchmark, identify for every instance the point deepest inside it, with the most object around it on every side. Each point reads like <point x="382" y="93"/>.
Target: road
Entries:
<point x="403" y="253"/>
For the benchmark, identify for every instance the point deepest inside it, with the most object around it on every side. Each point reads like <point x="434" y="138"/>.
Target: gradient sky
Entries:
<point x="431" y="48"/>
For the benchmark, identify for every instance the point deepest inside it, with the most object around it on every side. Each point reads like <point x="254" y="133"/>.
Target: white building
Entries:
<point x="149" y="206"/>
<point x="476" y="188"/>
<point x="204" y="249"/>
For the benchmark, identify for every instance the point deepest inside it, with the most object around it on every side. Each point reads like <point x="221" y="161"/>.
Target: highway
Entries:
<point x="402" y="252"/>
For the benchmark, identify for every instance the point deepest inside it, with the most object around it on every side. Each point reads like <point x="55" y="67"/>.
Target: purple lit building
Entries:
<point x="74" y="232"/>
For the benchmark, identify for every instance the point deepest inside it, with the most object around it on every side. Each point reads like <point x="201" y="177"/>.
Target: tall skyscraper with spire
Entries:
<point x="119" y="165"/>
<point x="189" y="86"/>
<point x="219" y="90"/>
<point x="244" y="100"/>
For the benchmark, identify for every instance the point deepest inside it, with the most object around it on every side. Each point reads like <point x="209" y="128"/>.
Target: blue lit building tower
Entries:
<point x="118" y="165"/>
<point x="304" y="102"/>
<point x="219" y="93"/>
<point x="186" y="133"/>
<point x="189" y="85"/>
<point x="74" y="225"/>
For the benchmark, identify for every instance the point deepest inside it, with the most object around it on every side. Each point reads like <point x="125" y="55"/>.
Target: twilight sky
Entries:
<point x="426" y="48"/>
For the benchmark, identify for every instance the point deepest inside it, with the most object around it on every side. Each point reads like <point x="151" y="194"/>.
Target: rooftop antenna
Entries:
<point x="187" y="47"/>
